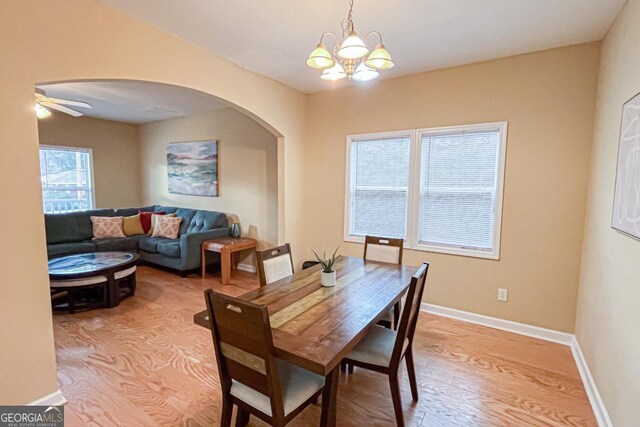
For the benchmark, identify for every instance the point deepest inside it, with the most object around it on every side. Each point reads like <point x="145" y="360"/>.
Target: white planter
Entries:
<point x="328" y="279"/>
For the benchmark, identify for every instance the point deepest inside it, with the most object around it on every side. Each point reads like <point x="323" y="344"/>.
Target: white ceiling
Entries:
<point x="275" y="37"/>
<point x="133" y="101"/>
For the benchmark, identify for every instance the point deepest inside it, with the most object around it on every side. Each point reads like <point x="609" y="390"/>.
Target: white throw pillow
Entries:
<point x="167" y="227"/>
<point x="107" y="227"/>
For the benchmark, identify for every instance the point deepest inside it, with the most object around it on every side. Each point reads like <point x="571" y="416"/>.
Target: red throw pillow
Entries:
<point x="145" y="220"/>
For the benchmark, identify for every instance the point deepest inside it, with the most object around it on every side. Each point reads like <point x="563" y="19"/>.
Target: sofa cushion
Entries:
<point x="206" y="220"/>
<point x="132" y="211"/>
<point x="73" y="226"/>
<point x="170" y="249"/>
<point x="61" y="249"/>
<point x="122" y="244"/>
<point x="150" y="244"/>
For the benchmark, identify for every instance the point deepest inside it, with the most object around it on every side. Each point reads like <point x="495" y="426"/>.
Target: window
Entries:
<point x="66" y="177"/>
<point x="380" y="186"/>
<point x="439" y="189"/>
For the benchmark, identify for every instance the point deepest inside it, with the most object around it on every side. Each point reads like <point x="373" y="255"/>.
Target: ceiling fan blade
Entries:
<point x="70" y="102"/>
<point x="66" y="110"/>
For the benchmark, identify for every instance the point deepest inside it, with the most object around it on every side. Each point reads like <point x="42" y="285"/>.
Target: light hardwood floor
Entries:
<point x="145" y="363"/>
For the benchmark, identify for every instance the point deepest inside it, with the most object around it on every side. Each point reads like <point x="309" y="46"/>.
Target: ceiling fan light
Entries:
<point x="334" y="73"/>
<point x="320" y="58"/>
<point x="364" y="73"/>
<point x="41" y="112"/>
<point x="353" y="47"/>
<point x="379" y="59"/>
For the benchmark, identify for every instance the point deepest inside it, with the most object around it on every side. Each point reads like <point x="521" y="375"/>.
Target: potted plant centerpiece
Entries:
<point x="328" y="275"/>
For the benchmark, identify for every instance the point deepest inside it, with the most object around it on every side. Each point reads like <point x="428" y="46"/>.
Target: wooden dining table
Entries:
<point x="315" y="327"/>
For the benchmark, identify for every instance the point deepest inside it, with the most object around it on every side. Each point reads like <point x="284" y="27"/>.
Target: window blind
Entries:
<point x="458" y="188"/>
<point x="379" y="187"/>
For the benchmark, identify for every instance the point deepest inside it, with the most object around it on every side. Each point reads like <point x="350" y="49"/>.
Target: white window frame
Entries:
<point x="89" y="151"/>
<point x="350" y="183"/>
<point x="413" y="196"/>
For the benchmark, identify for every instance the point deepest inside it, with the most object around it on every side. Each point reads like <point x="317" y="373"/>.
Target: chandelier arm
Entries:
<point x="376" y="33"/>
<point x="329" y="33"/>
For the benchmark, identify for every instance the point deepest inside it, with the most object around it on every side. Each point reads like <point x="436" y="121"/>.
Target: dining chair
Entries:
<point x="383" y="249"/>
<point x="274" y="264"/>
<point x="251" y="377"/>
<point x="382" y="349"/>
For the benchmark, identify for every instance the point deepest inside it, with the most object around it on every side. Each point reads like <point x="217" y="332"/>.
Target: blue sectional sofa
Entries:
<point x="72" y="233"/>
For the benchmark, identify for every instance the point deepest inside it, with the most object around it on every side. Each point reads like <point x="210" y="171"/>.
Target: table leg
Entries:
<point x="329" y="398"/>
<point x="225" y="266"/>
<point x="112" y="291"/>
<point x="72" y="301"/>
<point x="203" y="261"/>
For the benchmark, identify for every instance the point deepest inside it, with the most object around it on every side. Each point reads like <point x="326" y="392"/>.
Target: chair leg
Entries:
<point x="242" y="417"/>
<point x="395" y="395"/>
<point x="351" y="368"/>
<point x="227" y="409"/>
<point x="411" y="370"/>
<point x="343" y="366"/>
<point x="396" y="315"/>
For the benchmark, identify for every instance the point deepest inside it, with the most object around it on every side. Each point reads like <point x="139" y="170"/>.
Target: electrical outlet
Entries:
<point x="503" y="294"/>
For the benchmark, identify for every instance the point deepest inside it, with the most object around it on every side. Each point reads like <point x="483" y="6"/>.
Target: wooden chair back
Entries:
<point x="409" y="318"/>
<point x="274" y="264"/>
<point x="383" y="249"/>
<point x="244" y="346"/>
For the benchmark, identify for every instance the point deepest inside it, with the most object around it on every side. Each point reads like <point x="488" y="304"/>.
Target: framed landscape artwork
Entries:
<point x="192" y="168"/>
<point x="626" y="202"/>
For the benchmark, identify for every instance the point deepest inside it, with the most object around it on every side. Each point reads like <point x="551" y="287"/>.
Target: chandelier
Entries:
<point x="350" y="58"/>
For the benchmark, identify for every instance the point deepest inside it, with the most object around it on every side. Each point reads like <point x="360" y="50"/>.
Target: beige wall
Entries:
<point x="247" y="168"/>
<point x="608" y="321"/>
<point x="116" y="157"/>
<point x="97" y="42"/>
<point x="548" y="100"/>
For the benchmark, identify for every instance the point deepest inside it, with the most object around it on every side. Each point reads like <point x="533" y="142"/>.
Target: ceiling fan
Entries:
<point x="43" y="103"/>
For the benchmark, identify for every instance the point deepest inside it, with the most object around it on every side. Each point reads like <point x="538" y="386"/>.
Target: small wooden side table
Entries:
<point x="226" y="247"/>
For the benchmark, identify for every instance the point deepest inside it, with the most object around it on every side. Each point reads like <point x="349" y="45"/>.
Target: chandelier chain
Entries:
<point x="347" y="24"/>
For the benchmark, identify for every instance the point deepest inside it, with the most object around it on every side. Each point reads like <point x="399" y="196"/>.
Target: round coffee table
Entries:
<point x="92" y="280"/>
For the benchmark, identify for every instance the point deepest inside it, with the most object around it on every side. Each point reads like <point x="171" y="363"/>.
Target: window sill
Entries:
<point x="470" y="253"/>
<point x="495" y="256"/>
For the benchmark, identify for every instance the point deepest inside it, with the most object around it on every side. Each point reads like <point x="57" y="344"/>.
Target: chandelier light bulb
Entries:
<point x="353" y="47"/>
<point x="320" y="58"/>
<point x="364" y="73"/>
<point x="334" y="73"/>
<point x="380" y="59"/>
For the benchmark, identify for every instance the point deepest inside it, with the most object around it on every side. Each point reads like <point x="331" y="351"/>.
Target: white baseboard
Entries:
<point x="505" y="325"/>
<point x="54" y="399"/>
<point x="247" y="267"/>
<point x="599" y="410"/>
